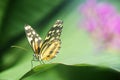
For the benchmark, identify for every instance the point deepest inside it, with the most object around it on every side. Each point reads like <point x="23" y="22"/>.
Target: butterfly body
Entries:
<point x="48" y="48"/>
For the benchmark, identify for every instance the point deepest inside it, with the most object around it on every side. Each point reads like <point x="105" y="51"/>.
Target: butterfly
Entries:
<point x="47" y="49"/>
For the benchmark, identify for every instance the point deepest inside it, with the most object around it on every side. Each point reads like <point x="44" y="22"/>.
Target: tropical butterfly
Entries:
<point x="47" y="49"/>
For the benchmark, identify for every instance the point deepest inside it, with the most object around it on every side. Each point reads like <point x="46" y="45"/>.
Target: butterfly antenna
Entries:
<point x="19" y="48"/>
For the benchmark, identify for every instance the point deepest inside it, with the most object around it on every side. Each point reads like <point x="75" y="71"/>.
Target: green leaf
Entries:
<point x="71" y="72"/>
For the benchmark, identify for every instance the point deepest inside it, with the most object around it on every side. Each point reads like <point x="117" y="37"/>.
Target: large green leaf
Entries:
<point x="71" y="72"/>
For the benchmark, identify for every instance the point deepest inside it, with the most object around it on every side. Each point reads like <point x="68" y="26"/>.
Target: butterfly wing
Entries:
<point x="50" y="50"/>
<point x="33" y="38"/>
<point x="51" y="44"/>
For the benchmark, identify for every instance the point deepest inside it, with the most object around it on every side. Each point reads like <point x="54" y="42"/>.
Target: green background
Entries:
<point x="77" y="54"/>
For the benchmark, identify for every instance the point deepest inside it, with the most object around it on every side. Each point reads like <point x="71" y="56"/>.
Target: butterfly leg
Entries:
<point x="42" y="62"/>
<point x="34" y="59"/>
<point x="32" y="64"/>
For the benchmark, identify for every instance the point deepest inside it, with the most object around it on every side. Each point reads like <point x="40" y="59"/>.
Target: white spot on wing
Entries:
<point x="27" y="27"/>
<point x="29" y="34"/>
<point x="52" y="38"/>
<point x="53" y="31"/>
<point x="36" y="40"/>
<point x="39" y="38"/>
<point x="47" y="37"/>
<point x="54" y="25"/>
<point x="57" y="31"/>
<point x="30" y="39"/>
<point x="33" y="32"/>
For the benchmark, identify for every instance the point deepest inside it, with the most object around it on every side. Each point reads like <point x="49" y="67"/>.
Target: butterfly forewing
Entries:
<point x="33" y="38"/>
<point x="54" y="33"/>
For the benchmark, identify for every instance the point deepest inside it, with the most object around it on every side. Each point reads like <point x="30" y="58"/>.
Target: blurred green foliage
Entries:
<point x="77" y="46"/>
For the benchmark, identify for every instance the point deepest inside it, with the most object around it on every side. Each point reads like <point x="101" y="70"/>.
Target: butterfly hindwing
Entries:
<point x="50" y="50"/>
<point x="33" y="38"/>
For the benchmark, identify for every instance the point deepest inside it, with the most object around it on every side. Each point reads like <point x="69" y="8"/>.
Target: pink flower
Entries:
<point x="102" y="21"/>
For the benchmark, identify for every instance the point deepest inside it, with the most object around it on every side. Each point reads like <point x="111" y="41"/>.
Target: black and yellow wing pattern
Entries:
<point x="48" y="48"/>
